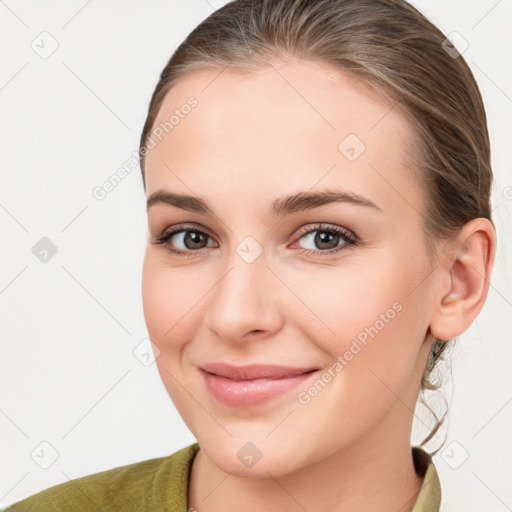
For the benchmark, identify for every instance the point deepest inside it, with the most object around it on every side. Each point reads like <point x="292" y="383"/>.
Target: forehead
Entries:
<point x="287" y="124"/>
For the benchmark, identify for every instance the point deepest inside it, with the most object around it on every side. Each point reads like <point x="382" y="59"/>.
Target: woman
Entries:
<point x="317" y="177"/>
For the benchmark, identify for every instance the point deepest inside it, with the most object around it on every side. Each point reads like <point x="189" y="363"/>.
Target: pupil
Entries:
<point x="323" y="237"/>
<point x="195" y="239"/>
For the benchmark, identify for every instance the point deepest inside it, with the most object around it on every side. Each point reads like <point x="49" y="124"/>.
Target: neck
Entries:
<point x="375" y="473"/>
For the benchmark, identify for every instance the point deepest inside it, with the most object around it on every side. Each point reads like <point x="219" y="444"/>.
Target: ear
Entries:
<point x="466" y="263"/>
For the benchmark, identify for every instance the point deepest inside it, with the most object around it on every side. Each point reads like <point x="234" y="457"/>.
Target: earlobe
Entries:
<point x="466" y="263"/>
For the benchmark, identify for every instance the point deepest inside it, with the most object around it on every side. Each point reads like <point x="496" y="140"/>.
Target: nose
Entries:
<point x="244" y="304"/>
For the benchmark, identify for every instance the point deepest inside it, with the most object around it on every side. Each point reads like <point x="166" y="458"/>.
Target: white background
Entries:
<point x="69" y="326"/>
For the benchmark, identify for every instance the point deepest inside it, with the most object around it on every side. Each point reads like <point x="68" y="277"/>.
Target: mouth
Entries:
<point x="253" y="385"/>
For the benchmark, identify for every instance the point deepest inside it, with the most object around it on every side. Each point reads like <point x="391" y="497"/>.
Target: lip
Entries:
<point x="252" y="385"/>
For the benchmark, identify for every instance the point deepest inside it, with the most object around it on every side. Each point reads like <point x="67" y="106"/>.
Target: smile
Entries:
<point x="254" y="385"/>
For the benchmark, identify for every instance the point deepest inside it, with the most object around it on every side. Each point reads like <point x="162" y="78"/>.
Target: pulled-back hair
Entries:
<point x="393" y="48"/>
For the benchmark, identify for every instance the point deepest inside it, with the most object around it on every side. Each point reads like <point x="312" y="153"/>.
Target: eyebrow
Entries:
<point x="284" y="205"/>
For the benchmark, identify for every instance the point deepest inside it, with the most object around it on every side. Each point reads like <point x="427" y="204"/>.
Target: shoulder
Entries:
<point x="146" y="485"/>
<point x="429" y="497"/>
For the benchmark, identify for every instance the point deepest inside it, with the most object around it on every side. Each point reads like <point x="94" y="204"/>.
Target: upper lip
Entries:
<point x="254" y="371"/>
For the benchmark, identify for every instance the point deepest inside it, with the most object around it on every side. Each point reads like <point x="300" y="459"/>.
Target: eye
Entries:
<point x="326" y="239"/>
<point x="184" y="240"/>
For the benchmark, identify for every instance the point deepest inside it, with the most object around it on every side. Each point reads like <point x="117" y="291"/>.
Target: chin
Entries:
<point x="254" y="456"/>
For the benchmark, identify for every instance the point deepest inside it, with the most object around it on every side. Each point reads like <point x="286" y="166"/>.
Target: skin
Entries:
<point x="262" y="135"/>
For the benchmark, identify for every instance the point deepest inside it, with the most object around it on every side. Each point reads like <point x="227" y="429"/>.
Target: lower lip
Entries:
<point x="249" y="393"/>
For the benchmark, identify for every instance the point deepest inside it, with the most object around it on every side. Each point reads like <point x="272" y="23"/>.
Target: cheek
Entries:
<point x="343" y="301"/>
<point x="366" y="316"/>
<point x="169" y="295"/>
<point x="372" y="331"/>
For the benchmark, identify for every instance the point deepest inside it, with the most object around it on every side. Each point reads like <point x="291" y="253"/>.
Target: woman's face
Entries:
<point x="253" y="285"/>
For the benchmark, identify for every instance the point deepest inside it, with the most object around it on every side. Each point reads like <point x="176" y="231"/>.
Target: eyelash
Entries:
<point x="348" y="237"/>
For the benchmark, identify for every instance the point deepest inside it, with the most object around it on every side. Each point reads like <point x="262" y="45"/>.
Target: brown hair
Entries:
<point x="394" y="49"/>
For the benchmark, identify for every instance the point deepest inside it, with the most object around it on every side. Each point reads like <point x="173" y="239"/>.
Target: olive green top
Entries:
<point x="161" y="484"/>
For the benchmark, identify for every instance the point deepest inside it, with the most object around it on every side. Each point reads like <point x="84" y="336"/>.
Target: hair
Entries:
<point x="391" y="47"/>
